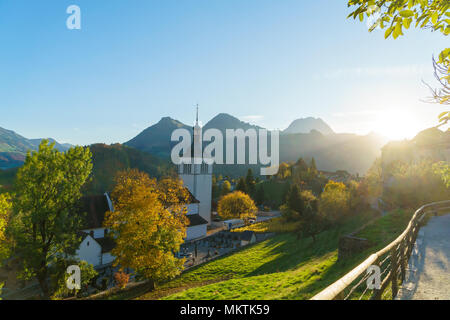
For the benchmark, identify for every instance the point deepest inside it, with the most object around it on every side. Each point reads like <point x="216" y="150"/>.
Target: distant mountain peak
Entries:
<point x="224" y="121"/>
<point x="306" y="125"/>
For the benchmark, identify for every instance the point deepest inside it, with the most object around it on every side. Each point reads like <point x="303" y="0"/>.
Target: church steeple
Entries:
<point x="196" y="118"/>
<point x="197" y="141"/>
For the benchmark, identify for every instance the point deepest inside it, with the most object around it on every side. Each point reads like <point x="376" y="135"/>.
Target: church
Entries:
<point x="197" y="177"/>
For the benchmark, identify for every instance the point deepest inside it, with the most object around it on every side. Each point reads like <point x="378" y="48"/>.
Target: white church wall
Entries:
<point x="89" y="251"/>
<point x="201" y="188"/>
<point x="196" y="232"/>
<point x="192" y="208"/>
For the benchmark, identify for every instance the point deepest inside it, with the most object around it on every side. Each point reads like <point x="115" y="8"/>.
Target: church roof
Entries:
<point x="95" y="207"/>
<point x="192" y="198"/>
<point x="107" y="244"/>
<point x="196" y="220"/>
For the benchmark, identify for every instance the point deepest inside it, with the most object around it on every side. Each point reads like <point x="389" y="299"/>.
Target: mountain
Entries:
<point x="156" y="139"/>
<point x="349" y="152"/>
<point x="225" y="121"/>
<point x="14" y="147"/>
<point x="305" y="125"/>
<point x="331" y="151"/>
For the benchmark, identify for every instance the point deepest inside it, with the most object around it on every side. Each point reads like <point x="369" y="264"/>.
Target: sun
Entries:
<point x="396" y="124"/>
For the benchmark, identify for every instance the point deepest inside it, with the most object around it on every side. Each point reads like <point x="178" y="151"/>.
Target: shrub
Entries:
<point x="121" y="279"/>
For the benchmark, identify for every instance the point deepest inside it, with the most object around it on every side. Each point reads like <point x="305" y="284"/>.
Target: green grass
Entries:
<point x="282" y="267"/>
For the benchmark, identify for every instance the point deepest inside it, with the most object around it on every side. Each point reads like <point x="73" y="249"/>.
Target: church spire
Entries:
<point x="196" y="118"/>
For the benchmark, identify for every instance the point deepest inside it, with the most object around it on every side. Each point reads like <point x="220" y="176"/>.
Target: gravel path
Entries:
<point x="429" y="266"/>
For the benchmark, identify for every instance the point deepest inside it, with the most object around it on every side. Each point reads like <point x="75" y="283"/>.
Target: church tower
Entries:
<point x="197" y="175"/>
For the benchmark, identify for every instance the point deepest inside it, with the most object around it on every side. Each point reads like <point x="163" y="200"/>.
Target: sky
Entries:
<point x="267" y="62"/>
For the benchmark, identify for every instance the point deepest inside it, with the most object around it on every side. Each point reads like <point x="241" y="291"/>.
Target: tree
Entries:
<point x="226" y="187"/>
<point x="45" y="216"/>
<point x="237" y="205"/>
<point x="312" y="223"/>
<point x="397" y="15"/>
<point x="443" y="169"/>
<point x="59" y="277"/>
<point x="334" y="201"/>
<point x="284" y="171"/>
<point x="250" y="182"/>
<point x="313" y="166"/>
<point x="149" y="224"/>
<point x="5" y="211"/>
<point x="297" y="202"/>
<point x="242" y="186"/>
<point x="260" y="195"/>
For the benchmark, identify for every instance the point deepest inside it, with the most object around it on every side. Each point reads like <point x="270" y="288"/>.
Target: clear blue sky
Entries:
<point x="265" y="61"/>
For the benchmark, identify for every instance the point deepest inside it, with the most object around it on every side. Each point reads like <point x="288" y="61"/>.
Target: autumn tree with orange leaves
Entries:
<point x="149" y="224"/>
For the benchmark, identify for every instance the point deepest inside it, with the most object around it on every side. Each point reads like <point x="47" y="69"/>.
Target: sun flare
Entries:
<point x="396" y="124"/>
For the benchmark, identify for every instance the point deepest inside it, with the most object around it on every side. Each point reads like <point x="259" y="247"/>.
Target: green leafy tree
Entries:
<point x="242" y="186"/>
<point x="226" y="188"/>
<point x="250" y="182"/>
<point x="334" y="201"/>
<point x="45" y="216"/>
<point x="443" y="169"/>
<point x="260" y="195"/>
<point x="5" y="211"/>
<point x="59" y="277"/>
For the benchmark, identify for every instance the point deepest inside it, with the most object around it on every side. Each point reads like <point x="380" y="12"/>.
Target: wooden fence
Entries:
<point x="391" y="260"/>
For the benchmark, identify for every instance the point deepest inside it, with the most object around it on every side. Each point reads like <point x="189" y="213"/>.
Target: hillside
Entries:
<point x="13" y="148"/>
<point x="156" y="139"/>
<point x="109" y="159"/>
<point x="306" y="125"/>
<point x="282" y="267"/>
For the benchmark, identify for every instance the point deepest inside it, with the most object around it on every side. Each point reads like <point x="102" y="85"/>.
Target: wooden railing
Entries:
<point x="391" y="260"/>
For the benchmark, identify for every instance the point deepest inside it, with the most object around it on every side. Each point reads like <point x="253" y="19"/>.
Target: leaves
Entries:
<point x="237" y="205"/>
<point x="45" y="215"/>
<point x="149" y="224"/>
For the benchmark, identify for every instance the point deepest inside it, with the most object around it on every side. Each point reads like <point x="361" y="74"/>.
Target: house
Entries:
<point x="95" y="246"/>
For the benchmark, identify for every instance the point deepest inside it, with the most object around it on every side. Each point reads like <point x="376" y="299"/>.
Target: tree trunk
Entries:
<point x="42" y="278"/>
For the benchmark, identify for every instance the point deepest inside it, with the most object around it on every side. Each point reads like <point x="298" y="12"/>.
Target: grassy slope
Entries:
<point x="282" y="267"/>
<point x="278" y="268"/>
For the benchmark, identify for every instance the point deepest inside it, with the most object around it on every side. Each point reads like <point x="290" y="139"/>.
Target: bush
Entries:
<point x="121" y="279"/>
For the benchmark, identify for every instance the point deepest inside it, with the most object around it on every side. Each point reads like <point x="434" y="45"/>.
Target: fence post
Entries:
<point x="394" y="267"/>
<point x="403" y="256"/>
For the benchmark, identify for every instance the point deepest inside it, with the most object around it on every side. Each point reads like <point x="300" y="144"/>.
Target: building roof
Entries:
<point x="107" y="244"/>
<point x="196" y="220"/>
<point x="95" y="207"/>
<point x="192" y="198"/>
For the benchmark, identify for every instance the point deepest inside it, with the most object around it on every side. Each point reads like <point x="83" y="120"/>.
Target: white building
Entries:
<point x="95" y="246"/>
<point x="197" y="175"/>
